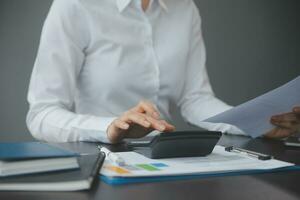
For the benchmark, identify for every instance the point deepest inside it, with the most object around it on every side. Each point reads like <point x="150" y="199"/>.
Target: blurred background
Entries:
<point x="253" y="46"/>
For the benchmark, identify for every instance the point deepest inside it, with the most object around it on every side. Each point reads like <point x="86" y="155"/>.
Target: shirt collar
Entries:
<point x="122" y="4"/>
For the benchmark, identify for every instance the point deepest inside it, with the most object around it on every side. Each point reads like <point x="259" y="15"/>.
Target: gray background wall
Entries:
<point x="253" y="46"/>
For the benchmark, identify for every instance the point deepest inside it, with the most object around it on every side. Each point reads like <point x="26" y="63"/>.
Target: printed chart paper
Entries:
<point x="218" y="162"/>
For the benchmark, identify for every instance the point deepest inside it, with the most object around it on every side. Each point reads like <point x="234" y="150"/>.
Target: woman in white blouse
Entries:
<point x="101" y="63"/>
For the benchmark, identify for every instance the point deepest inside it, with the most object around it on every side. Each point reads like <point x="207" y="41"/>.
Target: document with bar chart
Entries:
<point x="219" y="161"/>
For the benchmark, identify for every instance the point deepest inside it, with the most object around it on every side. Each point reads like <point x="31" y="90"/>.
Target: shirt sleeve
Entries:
<point x="53" y="83"/>
<point x="198" y="101"/>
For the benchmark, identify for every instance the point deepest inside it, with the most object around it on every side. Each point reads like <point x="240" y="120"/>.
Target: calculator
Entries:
<point x="178" y="144"/>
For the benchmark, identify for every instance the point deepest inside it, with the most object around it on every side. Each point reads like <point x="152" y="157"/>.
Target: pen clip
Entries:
<point x="257" y="155"/>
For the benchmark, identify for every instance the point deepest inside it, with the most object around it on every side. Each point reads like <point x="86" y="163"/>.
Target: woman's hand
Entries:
<point x="137" y="122"/>
<point x="286" y="124"/>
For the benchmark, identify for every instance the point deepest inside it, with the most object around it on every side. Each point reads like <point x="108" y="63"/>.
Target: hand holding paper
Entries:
<point x="253" y="117"/>
<point x="286" y="124"/>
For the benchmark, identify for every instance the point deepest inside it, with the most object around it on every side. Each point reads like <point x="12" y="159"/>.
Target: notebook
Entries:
<point x="34" y="157"/>
<point x="69" y="180"/>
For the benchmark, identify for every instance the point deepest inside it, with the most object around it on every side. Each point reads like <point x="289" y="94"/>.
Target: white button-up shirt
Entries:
<point x="98" y="59"/>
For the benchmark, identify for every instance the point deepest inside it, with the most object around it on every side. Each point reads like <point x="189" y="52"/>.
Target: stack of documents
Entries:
<point x="141" y="169"/>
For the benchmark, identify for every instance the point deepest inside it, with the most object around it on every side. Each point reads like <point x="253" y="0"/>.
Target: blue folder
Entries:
<point x="130" y="180"/>
<point x="31" y="150"/>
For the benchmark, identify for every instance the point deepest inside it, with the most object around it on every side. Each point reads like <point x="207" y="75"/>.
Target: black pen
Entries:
<point x="257" y="155"/>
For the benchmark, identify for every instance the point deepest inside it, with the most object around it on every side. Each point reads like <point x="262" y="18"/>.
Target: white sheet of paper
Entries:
<point x="217" y="162"/>
<point x="253" y="117"/>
